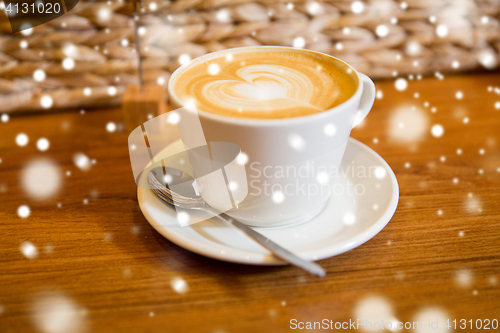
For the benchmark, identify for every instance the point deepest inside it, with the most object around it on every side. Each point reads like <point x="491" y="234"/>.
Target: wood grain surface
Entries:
<point x="100" y="267"/>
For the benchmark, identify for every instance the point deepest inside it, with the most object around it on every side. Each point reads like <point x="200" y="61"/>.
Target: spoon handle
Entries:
<point x="276" y="249"/>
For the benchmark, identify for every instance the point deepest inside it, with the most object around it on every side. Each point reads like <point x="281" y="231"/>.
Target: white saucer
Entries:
<point x="346" y="222"/>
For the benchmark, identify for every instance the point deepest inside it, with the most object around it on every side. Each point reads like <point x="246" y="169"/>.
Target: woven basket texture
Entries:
<point x="87" y="57"/>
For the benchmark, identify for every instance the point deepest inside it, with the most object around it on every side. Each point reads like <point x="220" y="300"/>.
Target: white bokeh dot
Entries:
<point x="183" y="217"/>
<point x="46" y="102"/>
<point x="223" y="15"/>
<point x="278" y="197"/>
<point x="299" y="42"/>
<point x="459" y="95"/>
<point x="27" y="29"/>
<point x="5" y="118"/>
<point x="233" y="186"/>
<point x="112" y="90"/>
<point x="349" y="219"/>
<point x="179" y="285"/>
<point x="296" y="142"/>
<point x="487" y="58"/>
<point x="442" y="30"/>
<point x="23" y="211"/>
<point x="382" y="30"/>
<point x="380" y="172"/>
<point x="322" y="177"/>
<point x="242" y="158"/>
<point x="213" y="69"/>
<point x="464" y="276"/>
<point x="167" y="178"/>
<point x="173" y="118"/>
<point x="41" y="179"/>
<point x="437" y="130"/>
<point x="39" y="75"/>
<point x="111" y="127"/>
<point x="104" y="14"/>
<point x="357" y="7"/>
<point x="29" y="250"/>
<point x="429" y="315"/>
<point x="68" y="64"/>
<point x="42" y="144"/>
<point x="184" y="59"/>
<point x="81" y="161"/>
<point x="87" y="91"/>
<point x="314" y="8"/>
<point x="22" y="139"/>
<point x="401" y="84"/>
<point x="330" y="129"/>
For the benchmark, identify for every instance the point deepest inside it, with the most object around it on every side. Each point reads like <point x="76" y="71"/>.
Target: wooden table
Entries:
<point x="100" y="267"/>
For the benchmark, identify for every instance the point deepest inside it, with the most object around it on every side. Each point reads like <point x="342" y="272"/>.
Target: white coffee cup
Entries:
<point x="296" y="145"/>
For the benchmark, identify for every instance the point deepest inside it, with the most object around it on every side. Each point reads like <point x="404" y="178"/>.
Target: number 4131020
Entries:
<point x="480" y="324"/>
<point x="39" y="8"/>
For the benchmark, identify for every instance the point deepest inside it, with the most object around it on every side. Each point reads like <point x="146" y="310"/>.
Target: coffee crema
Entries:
<point x="266" y="84"/>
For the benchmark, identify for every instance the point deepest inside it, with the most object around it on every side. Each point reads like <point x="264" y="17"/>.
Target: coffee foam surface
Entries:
<point x="266" y="84"/>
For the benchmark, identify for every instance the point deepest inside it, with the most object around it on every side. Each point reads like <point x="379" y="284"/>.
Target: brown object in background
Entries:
<point x="140" y="106"/>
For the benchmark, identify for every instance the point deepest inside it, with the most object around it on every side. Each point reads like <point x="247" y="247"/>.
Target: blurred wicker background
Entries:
<point x="87" y="57"/>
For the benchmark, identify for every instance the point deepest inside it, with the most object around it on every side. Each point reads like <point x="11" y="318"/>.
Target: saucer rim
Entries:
<point x="235" y="255"/>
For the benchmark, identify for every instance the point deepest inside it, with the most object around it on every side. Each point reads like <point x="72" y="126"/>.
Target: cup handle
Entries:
<point x="367" y="99"/>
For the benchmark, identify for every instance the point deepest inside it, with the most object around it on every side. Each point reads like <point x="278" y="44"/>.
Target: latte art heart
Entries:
<point x="266" y="85"/>
<point x="262" y="88"/>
